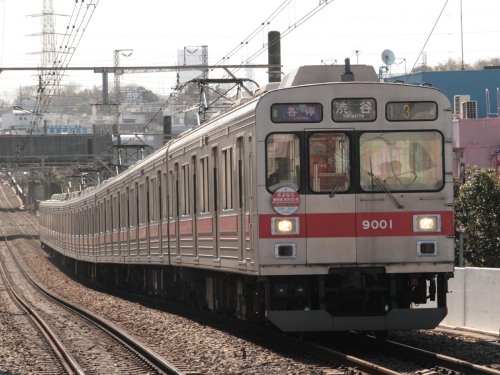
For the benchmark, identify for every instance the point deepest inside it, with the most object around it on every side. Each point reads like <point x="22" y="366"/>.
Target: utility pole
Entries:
<point x="118" y="94"/>
<point x="48" y="53"/>
<point x="118" y="73"/>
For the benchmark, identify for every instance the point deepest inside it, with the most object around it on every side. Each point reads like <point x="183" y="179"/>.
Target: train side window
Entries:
<point x="194" y="184"/>
<point x="153" y="200"/>
<point x="133" y="217"/>
<point x="124" y="210"/>
<point x="165" y="194"/>
<point x="185" y="206"/>
<point x="203" y="185"/>
<point x="329" y="162"/>
<point x="227" y="179"/>
<point x="142" y="203"/>
<point x="109" y="215"/>
<point x="115" y="210"/>
<point x="103" y="217"/>
<point x="215" y="179"/>
<point x="282" y="161"/>
<point x="171" y="195"/>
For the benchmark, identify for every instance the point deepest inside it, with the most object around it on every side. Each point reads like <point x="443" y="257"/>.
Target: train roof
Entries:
<point x="311" y="74"/>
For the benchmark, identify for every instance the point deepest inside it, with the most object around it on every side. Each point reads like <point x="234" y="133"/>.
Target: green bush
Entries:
<point x="477" y="214"/>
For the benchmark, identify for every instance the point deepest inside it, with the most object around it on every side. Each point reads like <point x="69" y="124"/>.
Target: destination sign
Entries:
<point x="411" y="111"/>
<point x="296" y="112"/>
<point x="354" y="109"/>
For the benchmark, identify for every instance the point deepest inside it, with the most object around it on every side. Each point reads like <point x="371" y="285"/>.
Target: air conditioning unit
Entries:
<point x="459" y="99"/>
<point x="469" y="109"/>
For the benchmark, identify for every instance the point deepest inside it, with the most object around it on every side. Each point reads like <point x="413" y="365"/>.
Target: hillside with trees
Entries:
<point x="455" y="64"/>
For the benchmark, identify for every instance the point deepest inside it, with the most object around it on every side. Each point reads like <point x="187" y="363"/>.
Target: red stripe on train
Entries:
<point x="365" y="224"/>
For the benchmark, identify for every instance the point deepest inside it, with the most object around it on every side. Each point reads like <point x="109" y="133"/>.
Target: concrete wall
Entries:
<point x="476" y="143"/>
<point x="474" y="300"/>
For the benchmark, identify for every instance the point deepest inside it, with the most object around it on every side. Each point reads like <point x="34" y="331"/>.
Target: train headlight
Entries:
<point x="427" y="223"/>
<point x="285" y="225"/>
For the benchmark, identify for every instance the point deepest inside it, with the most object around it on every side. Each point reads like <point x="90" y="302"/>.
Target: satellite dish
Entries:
<point x="388" y="57"/>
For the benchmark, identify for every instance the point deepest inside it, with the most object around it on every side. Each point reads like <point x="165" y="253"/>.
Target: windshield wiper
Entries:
<point x="383" y="186"/>
<point x="342" y="178"/>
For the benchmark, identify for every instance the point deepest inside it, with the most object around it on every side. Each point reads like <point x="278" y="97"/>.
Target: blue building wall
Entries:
<point x="462" y="82"/>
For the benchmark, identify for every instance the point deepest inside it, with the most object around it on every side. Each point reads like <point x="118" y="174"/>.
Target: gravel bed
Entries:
<point x="199" y="348"/>
<point x="23" y="349"/>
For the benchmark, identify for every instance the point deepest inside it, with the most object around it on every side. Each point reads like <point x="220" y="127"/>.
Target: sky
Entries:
<point x="235" y="31"/>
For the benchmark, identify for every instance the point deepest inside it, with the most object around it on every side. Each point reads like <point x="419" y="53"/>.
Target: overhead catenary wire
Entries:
<point x="426" y="41"/>
<point x="321" y="5"/>
<point x="255" y="33"/>
<point x="77" y="25"/>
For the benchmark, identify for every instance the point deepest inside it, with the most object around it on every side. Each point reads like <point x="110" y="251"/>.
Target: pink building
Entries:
<point x="476" y="142"/>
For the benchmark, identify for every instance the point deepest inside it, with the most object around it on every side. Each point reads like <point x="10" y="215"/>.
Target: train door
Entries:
<point x="241" y="183"/>
<point x="194" y="208"/>
<point x="204" y="228"/>
<point x="185" y="214"/>
<point x="115" y="219"/>
<point x="165" y="215"/>
<point x="176" y="213"/>
<point x="216" y="217"/>
<point x="109" y="227"/>
<point x="125" y="225"/>
<point x="330" y="219"/>
<point x="159" y="208"/>
<point x="95" y="229"/>
<point x="133" y="220"/>
<point x="102" y="229"/>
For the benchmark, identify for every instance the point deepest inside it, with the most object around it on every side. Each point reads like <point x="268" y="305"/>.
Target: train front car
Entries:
<point x="355" y="202"/>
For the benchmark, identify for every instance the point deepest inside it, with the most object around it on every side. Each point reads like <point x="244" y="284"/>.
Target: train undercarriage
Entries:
<point x="364" y="299"/>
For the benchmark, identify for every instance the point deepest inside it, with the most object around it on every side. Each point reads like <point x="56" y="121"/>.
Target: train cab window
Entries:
<point x="329" y="162"/>
<point x="282" y="161"/>
<point x="401" y="161"/>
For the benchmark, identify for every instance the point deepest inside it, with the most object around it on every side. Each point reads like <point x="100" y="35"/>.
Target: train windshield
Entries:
<point x="329" y="162"/>
<point x="401" y="161"/>
<point x="283" y="161"/>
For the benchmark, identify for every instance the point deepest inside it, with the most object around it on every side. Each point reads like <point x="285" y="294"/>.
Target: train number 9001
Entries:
<point x="376" y="224"/>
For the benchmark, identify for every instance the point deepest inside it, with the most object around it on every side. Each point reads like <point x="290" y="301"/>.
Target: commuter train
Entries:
<point x="322" y="203"/>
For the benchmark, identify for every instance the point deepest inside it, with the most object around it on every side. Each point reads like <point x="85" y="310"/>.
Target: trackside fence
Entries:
<point x="474" y="300"/>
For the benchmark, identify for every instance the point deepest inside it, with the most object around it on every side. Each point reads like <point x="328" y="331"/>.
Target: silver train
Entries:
<point x="323" y="203"/>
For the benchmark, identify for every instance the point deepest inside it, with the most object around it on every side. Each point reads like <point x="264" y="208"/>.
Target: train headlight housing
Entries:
<point x="427" y="248"/>
<point x="427" y="223"/>
<point x="285" y="250"/>
<point x="285" y="225"/>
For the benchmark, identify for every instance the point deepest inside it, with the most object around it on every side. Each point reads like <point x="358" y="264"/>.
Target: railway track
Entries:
<point x="319" y="357"/>
<point x="25" y="324"/>
<point x="81" y="342"/>
<point x="400" y="358"/>
<point x="341" y="353"/>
